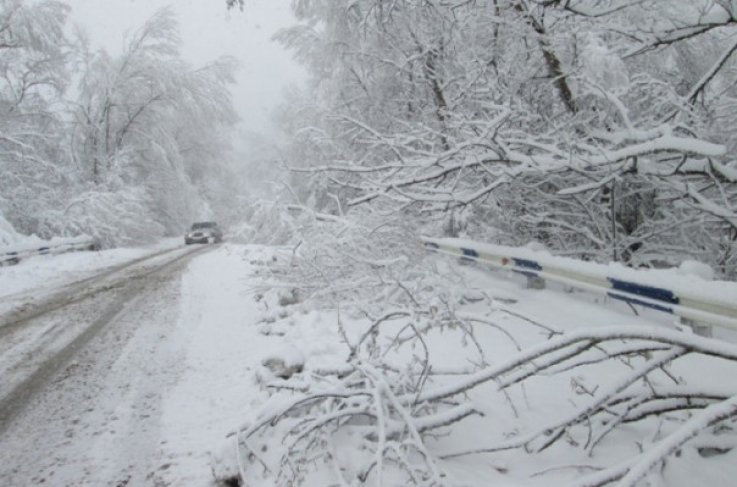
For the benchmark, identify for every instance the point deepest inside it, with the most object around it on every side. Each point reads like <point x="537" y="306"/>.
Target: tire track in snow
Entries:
<point x="70" y="293"/>
<point x="12" y="402"/>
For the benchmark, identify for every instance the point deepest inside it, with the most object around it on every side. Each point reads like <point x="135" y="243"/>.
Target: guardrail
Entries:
<point x="699" y="303"/>
<point x="18" y="253"/>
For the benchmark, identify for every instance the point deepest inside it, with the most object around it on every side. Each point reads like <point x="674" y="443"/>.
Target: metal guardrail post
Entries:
<point x="701" y="329"/>
<point x="535" y="282"/>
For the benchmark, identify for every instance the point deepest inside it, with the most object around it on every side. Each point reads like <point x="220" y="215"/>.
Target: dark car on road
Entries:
<point x="203" y="232"/>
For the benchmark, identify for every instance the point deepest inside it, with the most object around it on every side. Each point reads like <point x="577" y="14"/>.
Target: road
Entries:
<point x="76" y="370"/>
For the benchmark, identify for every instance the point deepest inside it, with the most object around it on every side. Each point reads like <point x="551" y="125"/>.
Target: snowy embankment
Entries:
<point x="241" y="337"/>
<point x="516" y="387"/>
<point x="229" y="329"/>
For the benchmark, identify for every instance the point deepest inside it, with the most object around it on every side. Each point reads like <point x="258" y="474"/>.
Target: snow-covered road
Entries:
<point x="45" y="327"/>
<point x="140" y="403"/>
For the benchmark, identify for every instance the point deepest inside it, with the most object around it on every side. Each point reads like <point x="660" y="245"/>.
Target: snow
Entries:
<point x="690" y="429"/>
<point x="601" y="66"/>
<point x="48" y="271"/>
<point x="10" y="238"/>
<point x="225" y="325"/>
<point x="696" y="269"/>
<point x="285" y="362"/>
<point x="223" y="353"/>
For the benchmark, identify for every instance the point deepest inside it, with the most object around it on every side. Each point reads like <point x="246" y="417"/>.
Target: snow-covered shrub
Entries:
<point x="114" y="218"/>
<point x="285" y="362"/>
<point x="269" y="223"/>
<point x="695" y="268"/>
<point x="288" y="297"/>
<point x="8" y="235"/>
<point x="354" y="424"/>
<point x="356" y="261"/>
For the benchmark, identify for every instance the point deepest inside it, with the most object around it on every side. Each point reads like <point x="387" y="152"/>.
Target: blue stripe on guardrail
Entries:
<point x="525" y="264"/>
<point x="10" y="258"/>
<point x="528" y="264"/>
<point x="651" y="292"/>
<point x="469" y="254"/>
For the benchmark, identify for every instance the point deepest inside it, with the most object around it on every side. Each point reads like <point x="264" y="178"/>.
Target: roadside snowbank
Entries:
<point x="47" y="271"/>
<point x="9" y="237"/>
<point x="277" y="419"/>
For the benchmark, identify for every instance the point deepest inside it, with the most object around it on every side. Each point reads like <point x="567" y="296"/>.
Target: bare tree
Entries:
<point x="33" y="56"/>
<point x="149" y="121"/>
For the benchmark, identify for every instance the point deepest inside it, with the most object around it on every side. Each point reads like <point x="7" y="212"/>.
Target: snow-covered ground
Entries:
<point x="52" y="271"/>
<point x="161" y="409"/>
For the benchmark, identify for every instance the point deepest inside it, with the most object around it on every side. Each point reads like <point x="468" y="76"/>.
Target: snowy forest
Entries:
<point x="123" y="148"/>
<point x="603" y="129"/>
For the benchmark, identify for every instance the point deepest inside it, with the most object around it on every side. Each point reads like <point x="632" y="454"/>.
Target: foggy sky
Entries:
<point x="209" y="30"/>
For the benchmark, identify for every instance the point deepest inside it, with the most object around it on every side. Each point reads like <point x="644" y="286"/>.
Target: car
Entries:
<point x="203" y="232"/>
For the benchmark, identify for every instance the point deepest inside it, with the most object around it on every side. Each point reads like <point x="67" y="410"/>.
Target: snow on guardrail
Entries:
<point x="12" y="254"/>
<point x="687" y="296"/>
